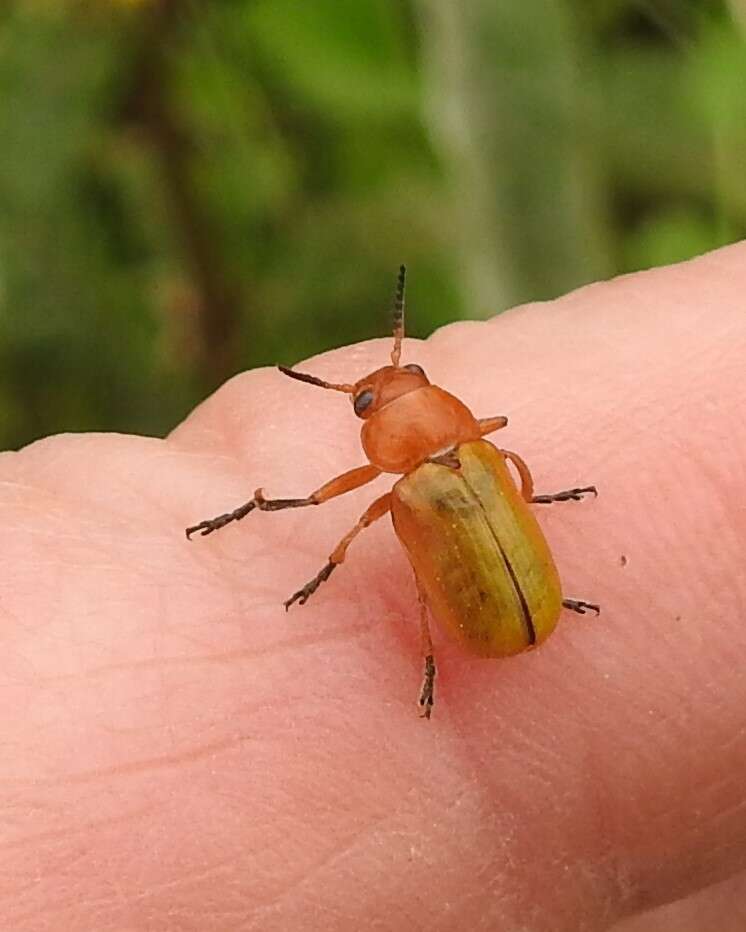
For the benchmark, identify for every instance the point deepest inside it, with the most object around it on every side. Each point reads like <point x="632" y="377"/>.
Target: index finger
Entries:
<point x="615" y="754"/>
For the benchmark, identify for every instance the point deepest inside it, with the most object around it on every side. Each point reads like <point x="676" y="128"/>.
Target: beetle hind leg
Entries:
<point x="428" y="688"/>
<point x="581" y="607"/>
<point x="568" y="495"/>
<point x="427" y="693"/>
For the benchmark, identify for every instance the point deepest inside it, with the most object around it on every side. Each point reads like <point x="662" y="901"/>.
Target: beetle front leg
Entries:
<point x="375" y="511"/>
<point x="348" y="481"/>
<point x="427" y="694"/>
<point x="488" y="425"/>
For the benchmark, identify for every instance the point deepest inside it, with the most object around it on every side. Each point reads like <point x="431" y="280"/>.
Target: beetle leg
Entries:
<point x="489" y="424"/>
<point x="527" y="482"/>
<point x="377" y="510"/>
<point x="338" y="486"/>
<point x="574" y="495"/>
<point x="579" y="606"/>
<point x="427" y="693"/>
<point x="527" y="485"/>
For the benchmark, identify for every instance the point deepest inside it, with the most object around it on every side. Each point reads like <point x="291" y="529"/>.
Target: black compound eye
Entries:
<point x="362" y="402"/>
<point x="413" y="367"/>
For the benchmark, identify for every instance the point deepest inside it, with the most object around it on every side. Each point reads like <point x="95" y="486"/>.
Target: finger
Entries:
<point x="718" y="908"/>
<point x="278" y="760"/>
<point x="625" y="387"/>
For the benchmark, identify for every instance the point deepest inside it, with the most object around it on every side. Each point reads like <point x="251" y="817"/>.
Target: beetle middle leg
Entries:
<point x="527" y="485"/>
<point x="524" y="473"/>
<point x="348" y="481"/>
<point x="375" y="511"/>
<point x="427" y="694"/>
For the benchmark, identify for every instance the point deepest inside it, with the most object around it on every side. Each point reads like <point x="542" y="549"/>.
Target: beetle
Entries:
<point x="482" y="566"/>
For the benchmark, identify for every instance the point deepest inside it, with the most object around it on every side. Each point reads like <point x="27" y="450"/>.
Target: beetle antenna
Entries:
<point x="398" y="316"/>
<point x="312" y="380"/>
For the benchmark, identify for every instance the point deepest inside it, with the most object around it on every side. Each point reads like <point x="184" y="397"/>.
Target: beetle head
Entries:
<point x="384" y="385"/>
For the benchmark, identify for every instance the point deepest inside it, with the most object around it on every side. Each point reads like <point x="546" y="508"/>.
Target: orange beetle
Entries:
<point x="481" y="563"/>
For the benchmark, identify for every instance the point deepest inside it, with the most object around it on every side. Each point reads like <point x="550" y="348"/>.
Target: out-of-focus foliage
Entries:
<point x="190" y="188"/>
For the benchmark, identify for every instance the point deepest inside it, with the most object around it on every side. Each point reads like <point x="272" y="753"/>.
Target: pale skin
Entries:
<point x="180" y="753"/>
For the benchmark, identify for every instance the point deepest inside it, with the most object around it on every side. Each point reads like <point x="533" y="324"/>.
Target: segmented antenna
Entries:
<point x="398" y="316"/>
<point x="313" y="380"/>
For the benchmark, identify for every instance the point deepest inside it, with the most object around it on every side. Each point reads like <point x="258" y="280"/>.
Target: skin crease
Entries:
<point x="178" y="753"/>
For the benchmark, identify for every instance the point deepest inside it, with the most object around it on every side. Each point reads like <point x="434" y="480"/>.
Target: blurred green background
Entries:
<point x="188" y="189"/>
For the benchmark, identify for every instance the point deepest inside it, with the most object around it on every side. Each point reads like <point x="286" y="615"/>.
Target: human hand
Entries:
<point x="181" y="754"/>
